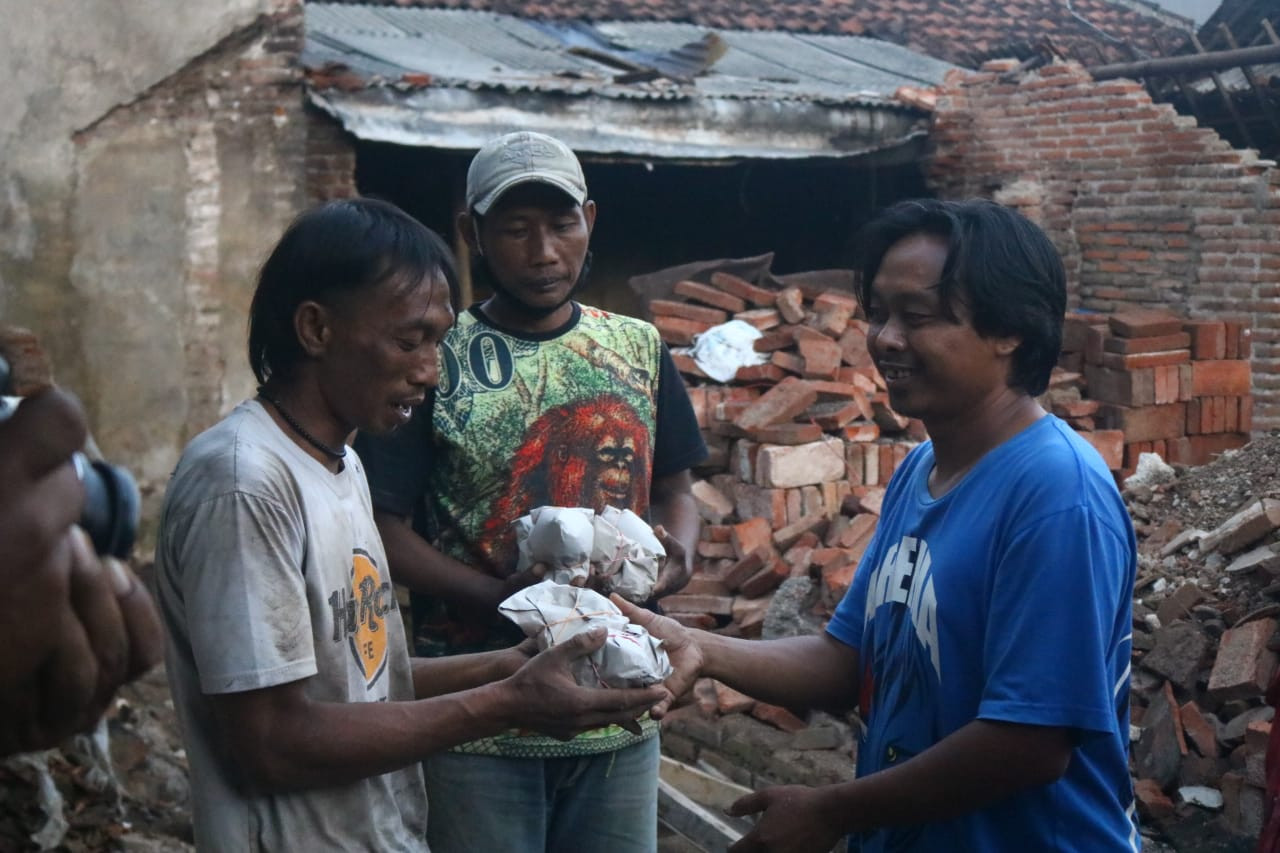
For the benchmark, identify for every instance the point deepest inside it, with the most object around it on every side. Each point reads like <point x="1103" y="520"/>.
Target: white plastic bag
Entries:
<point x="722" y="349"/>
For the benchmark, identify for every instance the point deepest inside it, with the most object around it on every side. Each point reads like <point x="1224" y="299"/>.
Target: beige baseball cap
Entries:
<point x="520" y="158"/>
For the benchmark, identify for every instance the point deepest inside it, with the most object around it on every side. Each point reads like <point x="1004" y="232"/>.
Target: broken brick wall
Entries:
<point x="1147" y="208"/>
<point x="331" y="159"/>
<point x="178" y="196"/>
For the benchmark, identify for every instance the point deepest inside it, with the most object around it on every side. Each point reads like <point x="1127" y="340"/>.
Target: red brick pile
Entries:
<point x="1156" y="383"/>
<point x="802" y="444"/>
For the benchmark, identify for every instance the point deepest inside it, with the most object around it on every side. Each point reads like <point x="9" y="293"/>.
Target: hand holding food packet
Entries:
<point x="553" y="612"/>
<point x="616" y="546"/>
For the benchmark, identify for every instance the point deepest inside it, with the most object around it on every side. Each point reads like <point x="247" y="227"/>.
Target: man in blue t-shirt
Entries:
<point x="985" y="640"/>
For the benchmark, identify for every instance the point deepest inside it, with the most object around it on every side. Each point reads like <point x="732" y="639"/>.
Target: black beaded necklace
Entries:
<point x="300" y="430"/>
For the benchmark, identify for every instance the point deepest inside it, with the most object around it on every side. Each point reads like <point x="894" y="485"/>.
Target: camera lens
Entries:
<point x="111" y="507"/>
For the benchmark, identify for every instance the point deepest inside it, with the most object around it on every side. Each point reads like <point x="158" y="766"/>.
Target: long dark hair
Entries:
<point x="337" y="248"/>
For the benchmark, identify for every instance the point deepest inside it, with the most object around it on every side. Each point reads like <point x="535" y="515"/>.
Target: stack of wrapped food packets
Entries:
<point x="616" y="546"/>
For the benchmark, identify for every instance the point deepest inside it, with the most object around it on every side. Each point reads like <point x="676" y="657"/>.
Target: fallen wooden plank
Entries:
<point x="705" y="789"/>
<point x="699" y="825"/>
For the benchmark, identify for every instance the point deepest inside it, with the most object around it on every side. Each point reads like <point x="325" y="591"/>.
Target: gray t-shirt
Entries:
<point x="269" y="570"/>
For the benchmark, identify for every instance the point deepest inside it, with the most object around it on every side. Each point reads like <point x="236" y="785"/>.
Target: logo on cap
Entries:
<point x="525" y="150"/>
<point x="519" y="158"/>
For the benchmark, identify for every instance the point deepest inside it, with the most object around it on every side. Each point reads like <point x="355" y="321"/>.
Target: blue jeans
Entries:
<point x="606" y="802"/>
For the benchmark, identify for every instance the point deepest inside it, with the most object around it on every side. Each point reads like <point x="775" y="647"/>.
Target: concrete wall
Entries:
<point x="1147" y="208"/>
<point x="150" y="153"/>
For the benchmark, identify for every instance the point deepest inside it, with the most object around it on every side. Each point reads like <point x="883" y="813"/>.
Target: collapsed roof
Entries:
<point x="643" y="89"/>
<point x="960" y="31"/>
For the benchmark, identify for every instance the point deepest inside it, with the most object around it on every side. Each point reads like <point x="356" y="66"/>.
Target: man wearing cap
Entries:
<point x="542" y="401"/>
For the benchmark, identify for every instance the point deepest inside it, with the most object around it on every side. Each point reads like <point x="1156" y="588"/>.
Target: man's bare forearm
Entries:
<point x="438" y="676"/>
<point x="813" y="671"/>
<point x="295" y="743"/>
<point x="673" y="506"/>
<point x="280" y="739"/>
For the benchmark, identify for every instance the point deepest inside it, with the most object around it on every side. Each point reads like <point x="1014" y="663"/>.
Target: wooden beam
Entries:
<point x="706" y="789"/>
<point x="1188" y="94"/>
<point x="1271" y="33"/>
<point x="1263" y="101"/>
<point x="692" y="802"/>
<point x="1228" y="101"/>
<point x="1172" y="65"/>
<point x="700" y="825"/>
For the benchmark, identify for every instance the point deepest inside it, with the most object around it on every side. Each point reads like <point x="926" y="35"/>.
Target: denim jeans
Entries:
<point x="483" y="804"/>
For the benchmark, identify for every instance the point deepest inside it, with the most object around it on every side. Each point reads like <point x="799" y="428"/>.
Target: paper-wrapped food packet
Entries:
<point x="633" y="570"/>
<point x="561" y="537"/>
<point x="616" y="545"/>
<point x="553" y="612"/>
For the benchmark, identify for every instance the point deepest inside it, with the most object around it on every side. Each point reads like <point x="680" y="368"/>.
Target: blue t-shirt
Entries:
<point x="1009" y="599"/>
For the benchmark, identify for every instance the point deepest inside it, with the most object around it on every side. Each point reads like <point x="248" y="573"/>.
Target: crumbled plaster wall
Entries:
<point x="153" y="155"/>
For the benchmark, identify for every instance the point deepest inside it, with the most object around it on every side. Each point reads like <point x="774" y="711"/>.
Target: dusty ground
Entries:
<point x="150" y="811"/>
<point x="145" y="810"/>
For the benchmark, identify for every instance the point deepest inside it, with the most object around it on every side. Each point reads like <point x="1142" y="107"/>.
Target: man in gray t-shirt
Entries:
<point x="305" y="719"/>
<point x="253" y="526"/>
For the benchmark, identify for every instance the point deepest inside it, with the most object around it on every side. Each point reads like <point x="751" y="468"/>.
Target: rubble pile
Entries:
<point x="1205" y="644"/>
<point x="802" y="444"/>
<point x="755" y="744"/>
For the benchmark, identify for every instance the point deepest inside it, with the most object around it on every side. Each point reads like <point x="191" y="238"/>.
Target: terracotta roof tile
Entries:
<point x="960" y="31"/>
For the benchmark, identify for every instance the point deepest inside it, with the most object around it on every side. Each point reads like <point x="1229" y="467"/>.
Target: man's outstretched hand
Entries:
<point x="793" y="819"/>
<point x="550" y="701"/>
<point x="680" y="644"/>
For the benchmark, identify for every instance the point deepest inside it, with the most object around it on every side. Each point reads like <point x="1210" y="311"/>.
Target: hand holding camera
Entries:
<point x="79" y="623"/>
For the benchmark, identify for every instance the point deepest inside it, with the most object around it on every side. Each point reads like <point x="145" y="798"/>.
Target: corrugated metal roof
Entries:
<point x="481" y="50"/>
<point x="1096" y="32"/>
<point x="703" y="129"/>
